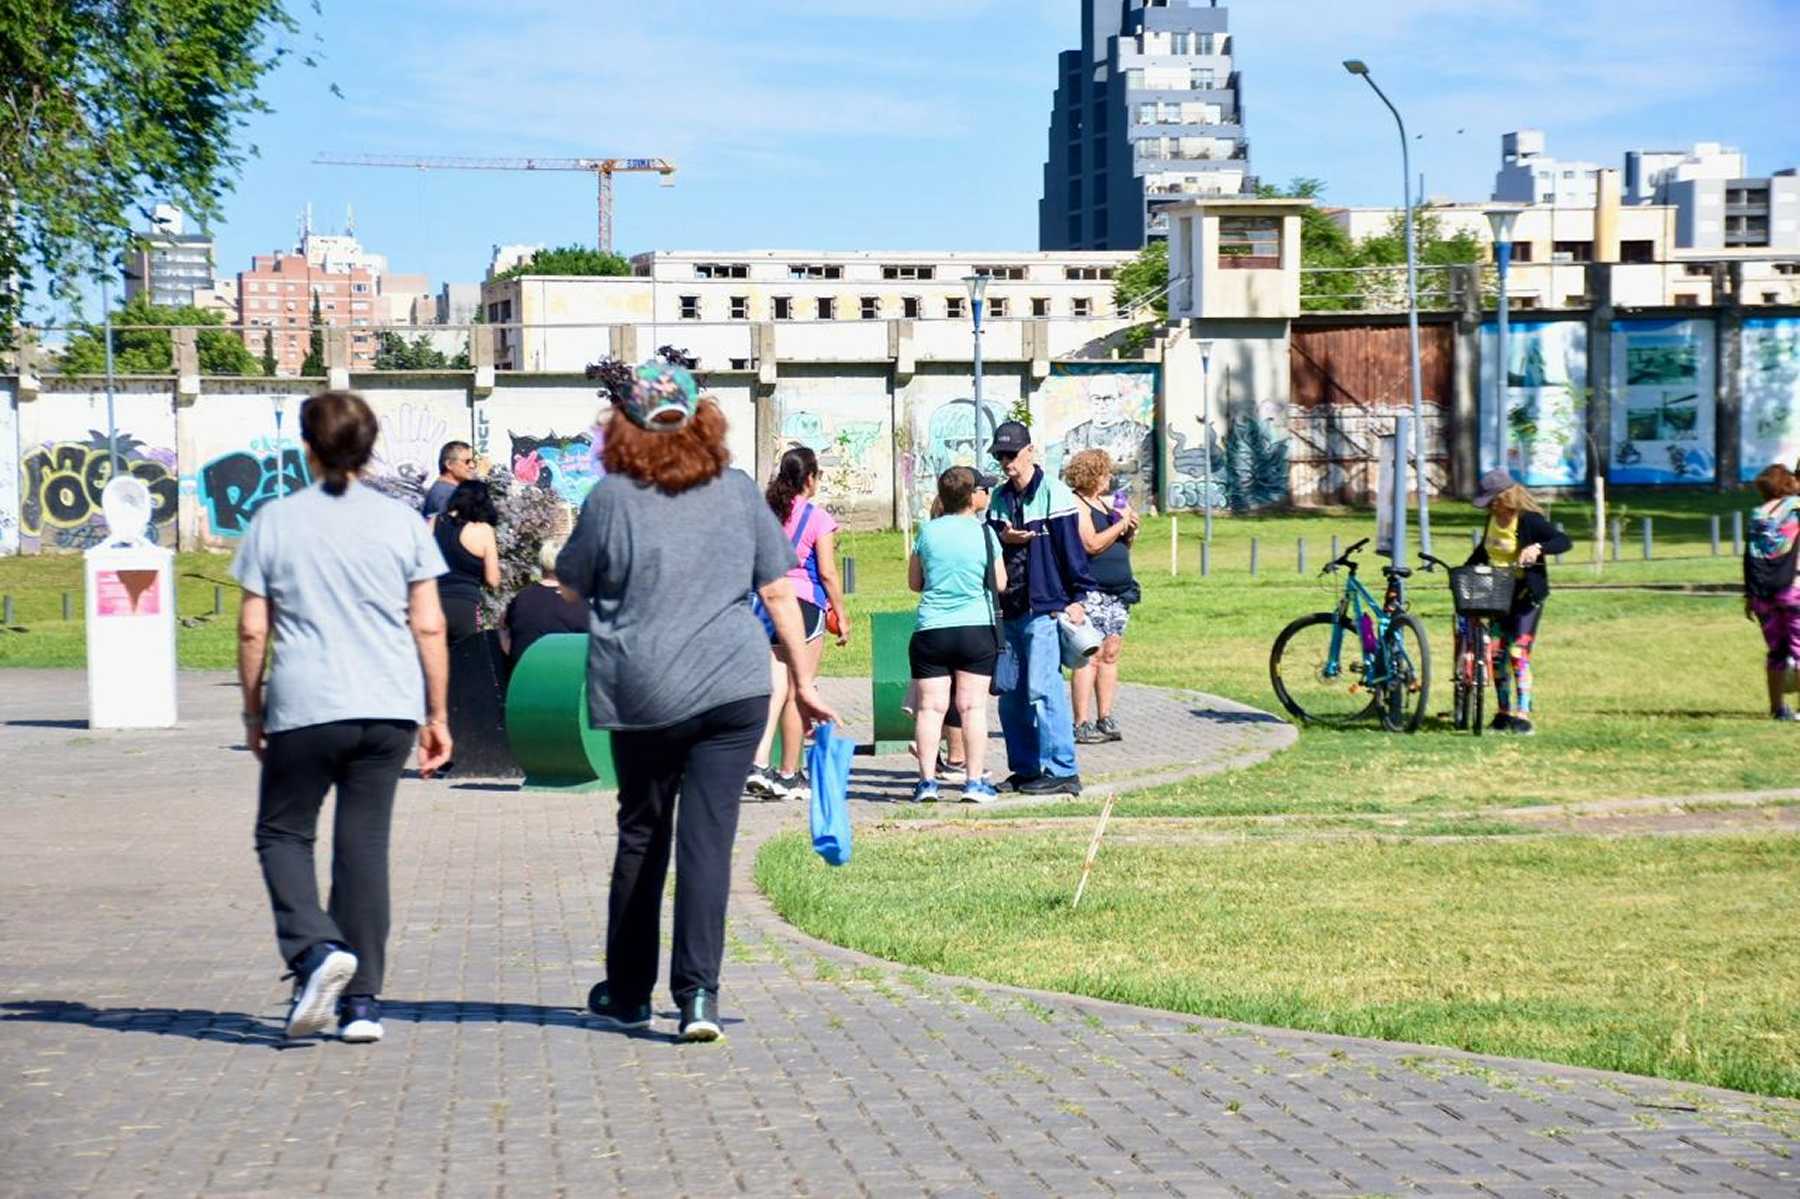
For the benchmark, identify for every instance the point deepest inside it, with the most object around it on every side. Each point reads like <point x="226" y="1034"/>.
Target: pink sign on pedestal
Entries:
<point x="128" y="593"/>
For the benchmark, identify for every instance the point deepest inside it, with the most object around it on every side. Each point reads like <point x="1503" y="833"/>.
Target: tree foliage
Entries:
<point x="152" y="351"/>
<point x="569" y="260"/>
<point x="104" y="102"/>
<point x="270" y="367"/>
<point x="395" y="353"/>
<point x="1144" y="276"/>
<point x="314" y="364"/>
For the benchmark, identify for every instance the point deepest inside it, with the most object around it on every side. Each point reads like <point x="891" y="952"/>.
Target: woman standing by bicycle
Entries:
<point x="1518" y="536"/>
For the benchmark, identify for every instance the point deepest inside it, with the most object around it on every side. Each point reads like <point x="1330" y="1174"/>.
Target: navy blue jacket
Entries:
<point x="1051" y="572"/>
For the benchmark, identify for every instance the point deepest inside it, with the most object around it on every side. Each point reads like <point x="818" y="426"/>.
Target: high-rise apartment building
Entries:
<point x="275" y="298"/>
<point x="168" y="264"/>
<point x="1148" y="112"/>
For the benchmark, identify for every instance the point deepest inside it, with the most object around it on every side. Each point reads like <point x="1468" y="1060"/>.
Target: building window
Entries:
<point x="997" y="308"/>
<point x="1521" y="251"/>
<point x="1698" y="270"/>
<point x="359" y="287"/>
<point x="871" y="308"/>
<point x="802" y="270"/>
<point x="953" y="307"/>
<point x="784" y="308"/>
<point x="1000" y="272"/>
<point x="826" y="307"/>
<point x="1771" y="297"/>
<point x="740" y="364"/>
<point x="690" y="308"/>
<point x="1686" y="299"/>
<point x="904" y="271"/>
<point x="721" y="270"/>
<point x="1637" y="251"/>
<point x="1087" y="274"/>
<point x="1787" y="268"/>
<point x="1084" y="306"/>
<point x="740" y="308"/>
<point x="1572" y="251"/>
<point x="1250" y="243"/>
<point x="1181" y="43"/>
<point x="909" y="308"/>
<point x="1040" y="305"/>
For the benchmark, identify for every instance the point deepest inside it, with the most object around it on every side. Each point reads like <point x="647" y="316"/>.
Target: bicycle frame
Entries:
<point x="1357" y="602"/>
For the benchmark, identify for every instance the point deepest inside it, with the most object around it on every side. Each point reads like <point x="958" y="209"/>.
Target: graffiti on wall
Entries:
<point x="411" y="436"/>
<point x="1546" y="401"/>
<point x="1079" y="408"/>
<point x="234" y="486"/>
<point x="847" y="450"/>
<point x="944" y="435"/>
<point x="60" y="484"/>
<point x="568" y="466"/>
<point x="1249" y="468"/>
<point x="9" y="480"/>
<point x="1663" y="399"/>
<point x="1771" y="372"/>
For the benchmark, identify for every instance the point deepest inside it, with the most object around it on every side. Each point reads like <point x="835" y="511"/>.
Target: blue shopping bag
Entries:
<point x="828" y="761"/>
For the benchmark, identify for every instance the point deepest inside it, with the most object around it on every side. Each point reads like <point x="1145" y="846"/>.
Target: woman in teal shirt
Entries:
<point x="957" y="567"/>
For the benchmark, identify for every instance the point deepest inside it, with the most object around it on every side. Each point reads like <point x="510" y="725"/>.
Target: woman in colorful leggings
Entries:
<point x="1521" y="537"/>
<point x="1771" y="595"/>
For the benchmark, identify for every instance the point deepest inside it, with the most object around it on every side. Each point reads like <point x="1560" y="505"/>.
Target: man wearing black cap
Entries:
<point x="1046" y="569"/>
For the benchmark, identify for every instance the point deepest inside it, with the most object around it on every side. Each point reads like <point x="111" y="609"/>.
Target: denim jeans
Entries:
<point x="1034" y="714"/>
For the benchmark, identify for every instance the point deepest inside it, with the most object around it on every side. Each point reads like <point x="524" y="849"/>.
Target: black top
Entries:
<point x="539" y="611"/>
<point x="465" y="578"/>
<point x="1534" y="529"/>
<point x="1111" y="567"/>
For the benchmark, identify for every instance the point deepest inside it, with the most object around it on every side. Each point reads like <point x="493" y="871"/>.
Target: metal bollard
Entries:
<point x="1557" y="558"/>
<point x="850" y="574"/>
<point x="218" y="601"/>
<point x="1737" y="533"/>
<point x="1647" y="536"/>
<point x="1474" y="539"/>
<point x="6" y="611"/>
<point x="1300" y="555"/>
<point x="1255" y="547"/>
<point x="1715" y="534"/>
<point x="1618" y="536"/>
<point x="1205" y="559"/>
<point x="1335" y="551"/>
<point x="68" y="607"/>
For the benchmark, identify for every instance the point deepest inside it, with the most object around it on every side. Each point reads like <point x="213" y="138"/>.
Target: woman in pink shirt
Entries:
<point x="812" y="532"/>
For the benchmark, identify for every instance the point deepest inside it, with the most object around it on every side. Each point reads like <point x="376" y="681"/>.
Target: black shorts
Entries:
<point x="812" y="622"/>
<point x="937" y="653"/>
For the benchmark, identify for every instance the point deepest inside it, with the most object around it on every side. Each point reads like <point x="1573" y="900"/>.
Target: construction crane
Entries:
<point x="603" y="169"/>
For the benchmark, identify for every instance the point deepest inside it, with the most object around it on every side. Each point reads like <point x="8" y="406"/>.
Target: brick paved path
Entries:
<point x="139" y="1051"/>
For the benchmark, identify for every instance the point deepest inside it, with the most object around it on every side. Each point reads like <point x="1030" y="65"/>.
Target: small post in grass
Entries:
<point x="1205" y="559"/>
<point x="1175" y="546"/>
<point x="1737" y="534"/>
<point x="1255" y="547"/>
<point x="1335" y="551"/>
<point x="1300" y="555"/>
<point x="1558" y="557"/>
<point x="68" y="607"/>
<point x="218" y="600"/>
<point x="1474" y="539"/>
<point x="6" y="611"/>
<point x="1599" y="523"/>
<point x="1715" y="534"/>
<point x="1618" y="537"/>
<point x="849" y="575"/>
<point x="1647" y="541"/>
<point x="1093" y="850"/>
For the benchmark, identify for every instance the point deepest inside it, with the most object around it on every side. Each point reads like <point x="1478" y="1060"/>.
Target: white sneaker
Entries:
<point x="321" y="975"/>
<point x="359" y="1020"/>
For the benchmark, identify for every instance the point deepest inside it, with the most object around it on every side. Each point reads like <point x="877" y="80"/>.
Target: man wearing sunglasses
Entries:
<point x="1046" y="569"/>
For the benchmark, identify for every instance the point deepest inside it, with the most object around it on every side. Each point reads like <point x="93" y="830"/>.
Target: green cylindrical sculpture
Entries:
<point x="891" y="636"/>
<point x="547" y="719"/>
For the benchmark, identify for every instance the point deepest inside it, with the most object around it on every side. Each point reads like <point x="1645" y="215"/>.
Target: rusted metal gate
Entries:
<point x="1348" y="382"/>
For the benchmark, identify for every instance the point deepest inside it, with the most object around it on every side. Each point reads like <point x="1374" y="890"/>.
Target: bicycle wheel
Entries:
<point x="1309" y="684"/>
<point x="1406" y="674"/>
<point x="1480" y="671"/>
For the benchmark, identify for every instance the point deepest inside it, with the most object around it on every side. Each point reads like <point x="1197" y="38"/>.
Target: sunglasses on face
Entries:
<point x="1005" y="456"/>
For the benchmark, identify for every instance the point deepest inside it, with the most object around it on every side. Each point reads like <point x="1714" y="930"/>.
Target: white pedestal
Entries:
<point x="131" y="637"/>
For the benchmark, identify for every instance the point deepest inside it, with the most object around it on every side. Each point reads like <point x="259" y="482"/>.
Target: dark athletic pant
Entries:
<point x="363" y="759"/>
<point x="461" y="617"/>
<point x="696" y="768"/>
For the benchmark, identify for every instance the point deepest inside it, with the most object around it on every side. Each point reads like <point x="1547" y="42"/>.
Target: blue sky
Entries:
<point x="842" y="124"/>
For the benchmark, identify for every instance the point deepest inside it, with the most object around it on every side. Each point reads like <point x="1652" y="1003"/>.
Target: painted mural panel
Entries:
<point x="1546" y="401"/>
<point x="1080" y="407"/>
<point x="65" y="462"/>
<point x="246" y="453"/>
<point x="415" y="424"/>
<point x="940" y="429"/>
<point x="547" y="436"/>
<point x="847" y="420"/>
<point x="9" y="479"/>
<point x="1771" y="387"/>
<point x="1663" y="399"/>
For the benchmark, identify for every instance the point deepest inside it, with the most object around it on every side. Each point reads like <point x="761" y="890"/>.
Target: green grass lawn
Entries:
<point x="1674" y="957"/>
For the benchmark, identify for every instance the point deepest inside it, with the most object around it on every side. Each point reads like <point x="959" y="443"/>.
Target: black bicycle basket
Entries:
<point x="1481" y="590"/>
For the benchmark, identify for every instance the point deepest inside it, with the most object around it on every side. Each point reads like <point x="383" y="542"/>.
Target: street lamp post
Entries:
<point x="1502" y="220"/>
<point x="1357" y="67"/>
<point x="112" y="425"/>
<point x="1206" y="437"/>
<point x="977" y="285"/>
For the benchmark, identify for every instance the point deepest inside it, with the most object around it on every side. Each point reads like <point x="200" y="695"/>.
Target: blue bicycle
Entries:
<point x="1336" y="667"/>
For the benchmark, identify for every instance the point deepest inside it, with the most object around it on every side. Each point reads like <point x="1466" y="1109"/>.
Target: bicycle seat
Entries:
<point x="1397" y="572"/>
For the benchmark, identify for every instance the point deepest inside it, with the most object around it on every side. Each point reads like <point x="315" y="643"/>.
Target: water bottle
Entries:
<point x="1121" y="500"/>
<point x="1366" y="625"/>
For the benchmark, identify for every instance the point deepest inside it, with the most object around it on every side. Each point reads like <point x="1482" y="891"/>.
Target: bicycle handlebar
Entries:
<point x="1344" y="559"/>
<point x="1432" y="562"/>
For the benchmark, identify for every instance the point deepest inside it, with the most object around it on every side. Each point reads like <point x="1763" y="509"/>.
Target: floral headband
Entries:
<point x="658" y="395"/>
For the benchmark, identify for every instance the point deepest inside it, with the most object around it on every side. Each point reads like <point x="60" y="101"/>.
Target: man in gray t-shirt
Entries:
<point x="682" y="638"/>
<point x="337" y="570"/>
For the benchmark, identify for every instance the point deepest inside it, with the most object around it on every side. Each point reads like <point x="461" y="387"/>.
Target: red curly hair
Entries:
<point x="672" y="462"/>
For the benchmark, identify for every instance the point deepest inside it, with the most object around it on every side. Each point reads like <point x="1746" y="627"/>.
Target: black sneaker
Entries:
<point x="761" y="783"/>
<point x="320" y="976"/>
<point x="615" y="1013"/>
<point x="700" y="1017"/>
<point x="359" y="1019"/>
<point x="1016" y="782"/>
<point x="1502" y="722"/>
<point x="1521" y="727"/>
<point x="1110" y="728"/>
<point x="1050" y="784"/>
<point x="1784" y="714"/>
<point x="1087" y="734"/>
